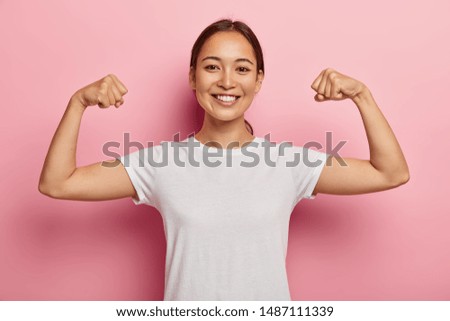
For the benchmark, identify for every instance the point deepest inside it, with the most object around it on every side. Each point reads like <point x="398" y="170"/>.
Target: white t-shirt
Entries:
<point x="226" y="217"/>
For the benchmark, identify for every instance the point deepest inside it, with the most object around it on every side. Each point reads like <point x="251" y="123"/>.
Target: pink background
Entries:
<point x="392" y="245"/>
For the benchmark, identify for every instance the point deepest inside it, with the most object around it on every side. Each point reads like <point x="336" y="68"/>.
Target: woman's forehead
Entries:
<point x="227" y="44"/>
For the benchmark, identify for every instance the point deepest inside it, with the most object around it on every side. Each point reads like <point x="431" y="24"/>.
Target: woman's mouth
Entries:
<point x="226" y="100"/>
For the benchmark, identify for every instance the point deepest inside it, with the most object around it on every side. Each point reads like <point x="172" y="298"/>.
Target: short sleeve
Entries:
<point x="142" y="173"/>
<point x="307" y="165"/>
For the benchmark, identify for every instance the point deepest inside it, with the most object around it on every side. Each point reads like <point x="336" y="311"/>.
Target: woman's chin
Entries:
<point x="224" y="116"/>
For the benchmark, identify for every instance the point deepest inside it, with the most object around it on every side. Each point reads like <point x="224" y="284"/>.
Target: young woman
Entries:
<point x="226" y="225"/>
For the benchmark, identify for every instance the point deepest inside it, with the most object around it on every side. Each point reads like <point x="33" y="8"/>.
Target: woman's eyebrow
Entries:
<point x="237" y="60"/>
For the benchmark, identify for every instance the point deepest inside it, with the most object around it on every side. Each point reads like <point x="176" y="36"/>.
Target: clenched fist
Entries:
<point x="105" y="92"/>
<point x="332" y="85"/>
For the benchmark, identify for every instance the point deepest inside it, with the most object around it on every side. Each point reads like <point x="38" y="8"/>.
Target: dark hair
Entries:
<point x="229" y="25"/>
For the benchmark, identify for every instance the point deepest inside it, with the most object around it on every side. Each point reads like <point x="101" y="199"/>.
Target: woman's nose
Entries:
<point x="226" y="80"/>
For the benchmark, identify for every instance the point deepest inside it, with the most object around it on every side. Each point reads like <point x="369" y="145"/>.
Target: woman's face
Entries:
<point x="225" y="80"/>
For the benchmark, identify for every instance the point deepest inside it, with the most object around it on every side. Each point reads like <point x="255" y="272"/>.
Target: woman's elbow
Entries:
<point x="405" y="178"/>
<point x="44" y="189"/>
<point x="49" y="191"/>
<point x="400" y="179"/>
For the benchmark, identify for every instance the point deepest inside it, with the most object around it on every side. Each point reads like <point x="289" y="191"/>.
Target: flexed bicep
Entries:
<point x="349" y="176"/>
<point x="105" y="180"/>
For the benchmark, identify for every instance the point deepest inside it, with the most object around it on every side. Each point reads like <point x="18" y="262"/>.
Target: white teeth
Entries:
<point x="226" y="98"/>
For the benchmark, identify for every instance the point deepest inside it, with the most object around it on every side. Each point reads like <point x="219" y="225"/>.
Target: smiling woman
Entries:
<point x="250" y="63"/>
<point x="226" y="226"/>
<point x="225" y="81"/>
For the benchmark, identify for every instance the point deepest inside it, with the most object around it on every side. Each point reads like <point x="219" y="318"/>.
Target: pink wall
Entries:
<point x="384" y="246"/>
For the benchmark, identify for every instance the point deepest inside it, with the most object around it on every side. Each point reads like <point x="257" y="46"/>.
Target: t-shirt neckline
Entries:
<point x="233" y="151"/>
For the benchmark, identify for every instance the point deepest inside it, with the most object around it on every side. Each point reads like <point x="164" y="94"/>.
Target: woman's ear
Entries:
<point x="192" y="78"/>
<point x="259" y="80"/>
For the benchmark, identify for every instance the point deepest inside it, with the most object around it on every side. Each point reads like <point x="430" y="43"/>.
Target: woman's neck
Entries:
<point x="223" y="134"/>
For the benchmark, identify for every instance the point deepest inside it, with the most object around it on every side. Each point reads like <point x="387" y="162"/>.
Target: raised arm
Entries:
<point x="386" y="168"/>
<point x="60" y="177"/>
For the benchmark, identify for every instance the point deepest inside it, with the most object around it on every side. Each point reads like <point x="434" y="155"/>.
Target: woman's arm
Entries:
<point x="60" y="178"/>
<point x="386" y="168"/>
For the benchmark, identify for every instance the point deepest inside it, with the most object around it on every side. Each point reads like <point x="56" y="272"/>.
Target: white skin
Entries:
<point x="61" y="178"/>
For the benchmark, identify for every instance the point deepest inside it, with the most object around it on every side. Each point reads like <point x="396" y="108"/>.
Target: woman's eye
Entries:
<point x="211" y="67"/>
<point x="243" y="69"/>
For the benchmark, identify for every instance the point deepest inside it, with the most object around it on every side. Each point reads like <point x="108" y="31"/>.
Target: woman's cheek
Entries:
<point x="250" y="84"/>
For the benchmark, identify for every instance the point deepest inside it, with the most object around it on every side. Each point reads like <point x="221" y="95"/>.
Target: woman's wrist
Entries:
<point x="363" y="96"/>
<point x="76" y="102"/>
